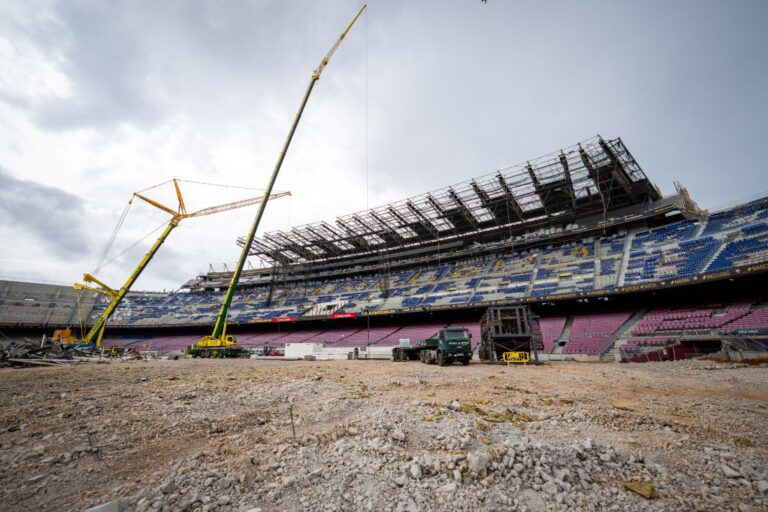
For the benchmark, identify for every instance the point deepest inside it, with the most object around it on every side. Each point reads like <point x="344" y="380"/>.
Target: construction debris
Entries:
<point x="644" y="489"/>
<point x="112" y="506"/>
<point x="26" y="352"/>
<point x="216" y="435"/>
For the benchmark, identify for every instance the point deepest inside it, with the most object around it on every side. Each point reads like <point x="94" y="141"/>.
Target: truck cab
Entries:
<point x="451" y="344"/>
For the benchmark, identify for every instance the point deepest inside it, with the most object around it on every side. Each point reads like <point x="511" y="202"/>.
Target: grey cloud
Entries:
<point x="163" y="271"/>
<point x="454" y="89"/>
<point x="106" y="65"/>
<point x="165" y="268"/>
<point x="51" y="215"/>
<point x="132" y="62"/>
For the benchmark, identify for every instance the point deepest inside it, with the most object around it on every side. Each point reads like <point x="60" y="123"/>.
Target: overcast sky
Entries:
<point x="99" y="99"/>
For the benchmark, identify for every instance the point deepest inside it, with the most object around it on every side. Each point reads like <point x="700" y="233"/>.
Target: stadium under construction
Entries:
<point x="426" y="354"/>
<point x="612" y="269"/>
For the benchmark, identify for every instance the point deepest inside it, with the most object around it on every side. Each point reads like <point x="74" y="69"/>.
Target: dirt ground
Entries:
<point x="217" y="435"/>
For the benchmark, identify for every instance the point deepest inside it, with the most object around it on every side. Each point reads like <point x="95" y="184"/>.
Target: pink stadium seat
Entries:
<point x="593" y="333"/>
<point x="551" y="328"/>
<point x="660" y="320"/>
<point x="756" y="318"/>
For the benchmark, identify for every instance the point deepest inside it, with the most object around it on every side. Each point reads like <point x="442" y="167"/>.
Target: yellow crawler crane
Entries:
<point x="219" y="343"/>
<point x="94" y="336"/>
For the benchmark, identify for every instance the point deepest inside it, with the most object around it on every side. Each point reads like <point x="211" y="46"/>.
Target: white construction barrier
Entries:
<point x="322" y="352"/>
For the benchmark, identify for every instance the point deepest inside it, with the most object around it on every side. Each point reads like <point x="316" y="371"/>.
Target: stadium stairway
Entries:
<point x="613" y="353"/>
<point x="564" y="336"/>
<point x="532" y="280"/>
<point x="715" y="254"/>
<point x="550" y="328"/>
<point x="596" y="264"/>
<point x="593" y="333"/>
<point x="364" y="336"/>
<point x="757" y="317"/>
<point x="624" y="259"/>
<point x="700" y="230"/>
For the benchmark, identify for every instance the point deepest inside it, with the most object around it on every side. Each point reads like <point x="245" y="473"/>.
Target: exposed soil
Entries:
<point x="217" y="435"/>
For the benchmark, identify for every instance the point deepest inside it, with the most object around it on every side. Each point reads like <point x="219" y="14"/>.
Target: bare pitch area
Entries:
<point x="217" y="435"/>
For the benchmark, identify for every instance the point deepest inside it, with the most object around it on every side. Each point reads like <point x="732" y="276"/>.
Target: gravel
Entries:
<point x="217" y="436"/>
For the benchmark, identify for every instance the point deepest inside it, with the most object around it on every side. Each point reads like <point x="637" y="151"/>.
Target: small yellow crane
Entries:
<point x="94" y="336"/>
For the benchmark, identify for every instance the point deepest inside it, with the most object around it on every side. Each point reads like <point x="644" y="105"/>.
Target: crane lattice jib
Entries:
<point x="96" y="332"/>
<point x="324" y="62"/>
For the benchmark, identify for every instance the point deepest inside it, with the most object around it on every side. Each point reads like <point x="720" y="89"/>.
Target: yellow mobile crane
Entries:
<point x="219" y="343"/>
<point x="93" y="338"/>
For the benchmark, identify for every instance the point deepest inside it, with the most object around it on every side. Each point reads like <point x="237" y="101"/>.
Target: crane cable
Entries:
<point x="199" y="183"/>
<point x="122" y="266"/>
<point x="134" y="244"/>
<point x="111" y="240"/>
<point x="367" y="188"/>
<point x="102" y="261"/>
<point x="97" y="268"/>
<point x="221" y="185"/>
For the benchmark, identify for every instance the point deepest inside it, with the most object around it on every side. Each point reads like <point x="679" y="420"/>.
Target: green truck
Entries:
<point x="450" y="345"/>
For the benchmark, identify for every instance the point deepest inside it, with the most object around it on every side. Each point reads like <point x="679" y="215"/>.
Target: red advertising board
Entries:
<point x="283" y="319"/>
<point x="343" y="315"/>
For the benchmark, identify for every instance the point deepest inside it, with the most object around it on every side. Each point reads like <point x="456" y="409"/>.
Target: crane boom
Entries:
<point x="218" y="337"/>
<point x="324" y="62"/>
<point x="231" y="206"/>
<point x="95" y="334"/>
<point x="97" y="331"/>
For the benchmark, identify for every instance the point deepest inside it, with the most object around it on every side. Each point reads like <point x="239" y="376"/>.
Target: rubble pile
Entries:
<point x="218" y="435"/>
<point x="25" y="352"/>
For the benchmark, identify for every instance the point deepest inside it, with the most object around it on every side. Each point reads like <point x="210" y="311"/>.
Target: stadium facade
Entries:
<point x="582" y="235"/>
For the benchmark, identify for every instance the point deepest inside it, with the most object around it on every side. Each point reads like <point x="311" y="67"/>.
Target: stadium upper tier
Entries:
<point x="34" y="304"/>
<point x="590" y="178"/>
<point x="726" y="244"/>
<point x="582" y="223"/>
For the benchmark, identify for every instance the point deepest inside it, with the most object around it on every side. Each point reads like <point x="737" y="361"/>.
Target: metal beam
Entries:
<point x="463" y="208"/>
<point x="586" y="161"/>
<point x="568" y="181"/>
<point x="403" y="223"/>
<point x="510" y="195"/>
<point x="390" y="231"/>
<point x="617" y="169"/>
<point x="424" y="220"/>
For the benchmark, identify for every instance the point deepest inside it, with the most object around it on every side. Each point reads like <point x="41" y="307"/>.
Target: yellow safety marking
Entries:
<point x="516" y="357"/>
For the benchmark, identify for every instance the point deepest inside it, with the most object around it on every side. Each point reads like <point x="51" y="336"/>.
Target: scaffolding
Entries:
<point x="588" y="179"/>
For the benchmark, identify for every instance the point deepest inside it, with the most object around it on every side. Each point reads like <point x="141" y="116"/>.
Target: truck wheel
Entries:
<point x="440" y="359"/>
<point x="465" y="361"/>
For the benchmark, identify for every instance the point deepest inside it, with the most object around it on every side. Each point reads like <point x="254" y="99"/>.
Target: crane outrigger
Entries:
<point x="94" y="336"/>
<point x="219" y="343"/>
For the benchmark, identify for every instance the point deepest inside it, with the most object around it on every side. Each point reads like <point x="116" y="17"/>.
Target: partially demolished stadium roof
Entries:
<point x="593" y="177"/>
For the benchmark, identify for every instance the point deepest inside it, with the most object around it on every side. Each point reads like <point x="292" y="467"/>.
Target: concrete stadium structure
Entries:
<point x="581" y="235"/>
